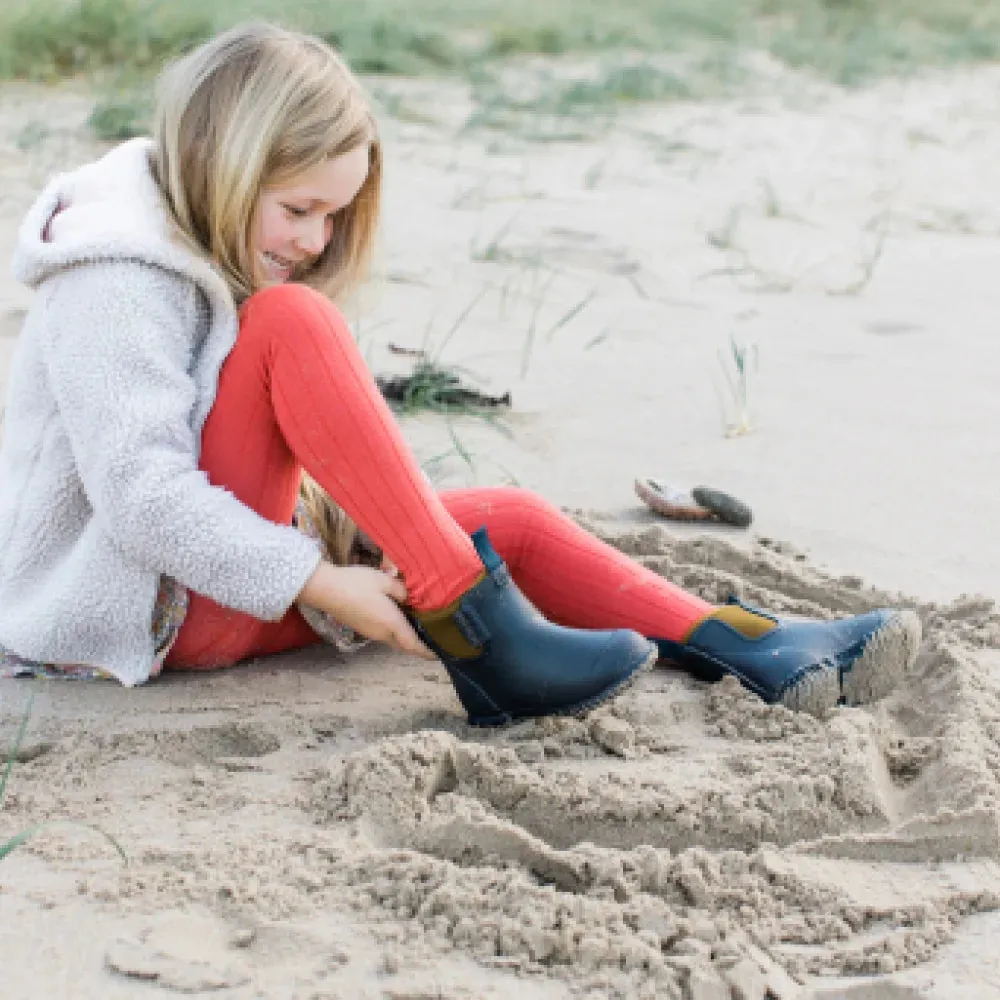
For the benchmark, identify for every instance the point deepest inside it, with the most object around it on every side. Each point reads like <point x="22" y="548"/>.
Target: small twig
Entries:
<point x="410" y="352"/>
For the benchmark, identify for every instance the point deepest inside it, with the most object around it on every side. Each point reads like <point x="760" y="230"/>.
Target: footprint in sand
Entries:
<point x="180" y="952"/>
<point x="219" y="744"/>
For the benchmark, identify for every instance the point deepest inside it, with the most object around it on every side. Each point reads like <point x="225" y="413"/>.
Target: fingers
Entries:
<point x="396" y="589"/>
<point x="408" y="641"/>
<point x="410" y="644"/>
<point x="405" y="639"/>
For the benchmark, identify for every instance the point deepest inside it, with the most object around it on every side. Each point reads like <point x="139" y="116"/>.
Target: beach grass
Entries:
<point x="552" y="71"/>
<point x="847" y="41"/>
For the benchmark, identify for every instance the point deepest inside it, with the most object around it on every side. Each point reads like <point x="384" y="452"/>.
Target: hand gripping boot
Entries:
<point x="806" y="664"/>
<point x="507" y="662"/>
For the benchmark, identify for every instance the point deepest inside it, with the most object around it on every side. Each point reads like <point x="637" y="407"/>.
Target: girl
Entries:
<point x="183" y="363"/>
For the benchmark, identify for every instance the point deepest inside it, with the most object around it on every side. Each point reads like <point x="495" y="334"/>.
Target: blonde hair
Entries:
<point x="337" y="532"/>
<point x="343" y="542"/>
<point x="252" y="109"/>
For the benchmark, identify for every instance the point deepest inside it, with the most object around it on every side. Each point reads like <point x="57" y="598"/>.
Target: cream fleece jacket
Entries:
<point x="114" y="373"/>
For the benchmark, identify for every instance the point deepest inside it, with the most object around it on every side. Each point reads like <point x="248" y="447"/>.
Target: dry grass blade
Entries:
<point x="573" y="313"/>
<point x="529" y="338"/>
<point x="599" y="339"/>
<point x="25" y="835"/>
<point x="13" y="843"/>
<point x="18" y="740"/>
<point x="493" y="251"/>
<point x="867" y="266"/>
<point x="462" y="317"/>
<point x="460" y="447"/>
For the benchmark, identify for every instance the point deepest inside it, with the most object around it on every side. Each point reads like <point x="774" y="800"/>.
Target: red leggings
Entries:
<point x="295" y="392"/>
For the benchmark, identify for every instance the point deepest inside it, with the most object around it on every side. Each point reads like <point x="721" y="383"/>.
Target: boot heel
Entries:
<point x="481" y="709"/>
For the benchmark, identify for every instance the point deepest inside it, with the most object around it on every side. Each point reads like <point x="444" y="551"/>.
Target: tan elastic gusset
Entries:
<point x="440" y="625"/>
<point x="745" y="622"/>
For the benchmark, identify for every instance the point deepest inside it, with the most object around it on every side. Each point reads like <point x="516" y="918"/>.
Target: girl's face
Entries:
<point x="295" y="221"/>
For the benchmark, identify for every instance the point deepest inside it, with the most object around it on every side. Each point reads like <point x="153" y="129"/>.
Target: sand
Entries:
<point x="319" y="826"/>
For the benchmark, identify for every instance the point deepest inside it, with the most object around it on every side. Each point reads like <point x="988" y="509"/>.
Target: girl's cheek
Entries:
<point x="275" y="228"/>
<point x="279" y="230"/>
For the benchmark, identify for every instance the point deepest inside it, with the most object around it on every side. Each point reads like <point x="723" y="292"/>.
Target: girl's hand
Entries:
<point x="366" y="600"/>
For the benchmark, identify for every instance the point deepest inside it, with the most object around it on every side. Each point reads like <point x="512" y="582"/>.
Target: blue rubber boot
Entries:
<point x="805" y="664"/>
<point x="507" y="662"/>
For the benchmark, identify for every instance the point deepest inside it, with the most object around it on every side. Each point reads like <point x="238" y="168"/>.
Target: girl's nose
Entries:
<point x="313" y="237"/>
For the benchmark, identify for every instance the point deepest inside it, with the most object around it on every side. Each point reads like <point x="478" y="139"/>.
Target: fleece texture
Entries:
<point x="113" y="376"/>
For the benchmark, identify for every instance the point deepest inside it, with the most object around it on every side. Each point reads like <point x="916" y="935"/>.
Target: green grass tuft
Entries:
<point x="738" y="368"/>
<point x="51" y="39"/>
<point x="439" y="389"/>
<point x="655" y="50"/>
<point x="121" y="116"/>
<point x="390" y="46"/>
<point x="844" y="40"/>
<point x="549" y="102"/>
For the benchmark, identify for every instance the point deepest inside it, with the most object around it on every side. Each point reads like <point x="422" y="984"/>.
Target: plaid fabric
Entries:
<point x="168" y="616"/>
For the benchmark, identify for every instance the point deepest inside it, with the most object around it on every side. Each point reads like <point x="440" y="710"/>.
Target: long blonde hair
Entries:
<point x="337" y="532"/>
<point x="250" y="109"/>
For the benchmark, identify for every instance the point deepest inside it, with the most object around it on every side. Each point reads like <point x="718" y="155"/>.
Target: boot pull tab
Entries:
<point x="491" y="561"/>
<point x="472" y="626"/>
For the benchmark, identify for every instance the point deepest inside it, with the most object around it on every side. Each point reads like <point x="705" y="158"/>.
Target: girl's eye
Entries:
<point x="293" y="210"/>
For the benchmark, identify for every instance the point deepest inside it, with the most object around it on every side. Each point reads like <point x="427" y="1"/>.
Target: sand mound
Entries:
<point x="685" y="841"/>
<point x="623" y="852"/>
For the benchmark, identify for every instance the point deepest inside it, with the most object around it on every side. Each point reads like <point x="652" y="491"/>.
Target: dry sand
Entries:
<point x="318" y="827"/>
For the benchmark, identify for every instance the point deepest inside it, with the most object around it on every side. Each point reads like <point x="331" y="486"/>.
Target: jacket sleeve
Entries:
<point x="119" y="348"/>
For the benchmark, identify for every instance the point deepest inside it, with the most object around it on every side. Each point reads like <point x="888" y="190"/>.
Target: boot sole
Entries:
<point x="886" y="658"/>
<point x="580" y="709"/>
<point x="817" y="692"/>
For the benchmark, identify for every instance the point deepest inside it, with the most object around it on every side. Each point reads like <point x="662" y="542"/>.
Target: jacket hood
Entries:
<point x="111" y="209"/>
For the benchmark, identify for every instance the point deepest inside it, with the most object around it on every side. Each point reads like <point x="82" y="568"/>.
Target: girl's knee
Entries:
<point x="289" y="295"/>
<point x="526" y="503"/>
<point x="290" y="310"/>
